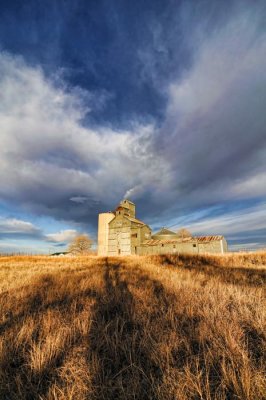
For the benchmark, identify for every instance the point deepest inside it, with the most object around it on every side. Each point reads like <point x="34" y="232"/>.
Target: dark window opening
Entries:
<point x="162" y="245"/>
<point x="194" y="245"/>
<point x="134" y="235"/>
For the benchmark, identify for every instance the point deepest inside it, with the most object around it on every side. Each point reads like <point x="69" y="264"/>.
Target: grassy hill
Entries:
<point x="161" y="327"/>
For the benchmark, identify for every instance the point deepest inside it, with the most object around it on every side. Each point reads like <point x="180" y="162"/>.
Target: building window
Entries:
<point x="194" y="245"/>
<point x="162" y="245"/>
<point x="134" y="235"/>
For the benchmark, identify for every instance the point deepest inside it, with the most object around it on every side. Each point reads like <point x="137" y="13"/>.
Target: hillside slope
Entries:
<point x="133" y="328"/>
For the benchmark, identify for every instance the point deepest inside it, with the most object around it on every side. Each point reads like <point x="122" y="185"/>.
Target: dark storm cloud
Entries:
<point x="214" y="134"/>
<point x="97" y="45"/>
<point x="125" y="51"/>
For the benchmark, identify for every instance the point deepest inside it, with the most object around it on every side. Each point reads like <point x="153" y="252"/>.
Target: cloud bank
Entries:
<point x="15" y="226"/>
<point x="207" y="147"/>
<point x="50" y="163"/>
<point x="64" y="236"/>
<point x="214" y="132"/>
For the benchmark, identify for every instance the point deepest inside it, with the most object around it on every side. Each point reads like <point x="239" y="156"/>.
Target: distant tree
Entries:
<point x="184" y="233"/>
<point x="81" y="244"/>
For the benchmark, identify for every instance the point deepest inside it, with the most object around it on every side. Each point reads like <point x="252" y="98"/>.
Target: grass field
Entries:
<point x="161" y="327"/>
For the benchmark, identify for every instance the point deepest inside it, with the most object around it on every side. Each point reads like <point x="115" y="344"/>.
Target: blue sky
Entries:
<point x="159" y="101"/>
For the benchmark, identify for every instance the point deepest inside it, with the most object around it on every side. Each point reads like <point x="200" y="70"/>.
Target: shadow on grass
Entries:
<point x="123" y="344"/>
<point x="17" y="379"/>
<point x="233" y="275"/>
<point x="125" y="368"/>
<point x="34" y="303"/>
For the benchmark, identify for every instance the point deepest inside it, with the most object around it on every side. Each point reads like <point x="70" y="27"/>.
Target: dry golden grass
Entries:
<point x="158" y="327"/>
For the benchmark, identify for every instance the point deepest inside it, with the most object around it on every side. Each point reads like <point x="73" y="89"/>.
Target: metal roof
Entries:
<point x="208" y="238"/>
<point x="199" y="239"/>
<point x="155" y="242"/>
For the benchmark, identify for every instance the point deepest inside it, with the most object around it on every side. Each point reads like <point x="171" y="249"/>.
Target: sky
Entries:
<point x="159" y="101"/>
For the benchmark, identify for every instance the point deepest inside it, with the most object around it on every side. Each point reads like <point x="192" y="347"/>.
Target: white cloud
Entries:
<point x="211" y="147"/>
<point x="230" y="55"/>
<point x="238" y="222"/>
<point x="16" y="226"/>
<point x="62" y="236"/>
<point x="46" y="153"/>
<point x="132" y="192"/>
<point x="253" y="246"/>
<point x="79" y="199"/>
<point x="254" y="185"/>
<point x="214" y="131"/>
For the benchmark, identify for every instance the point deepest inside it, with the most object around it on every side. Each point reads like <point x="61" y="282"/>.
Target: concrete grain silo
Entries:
<point x="103" y="232"/>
